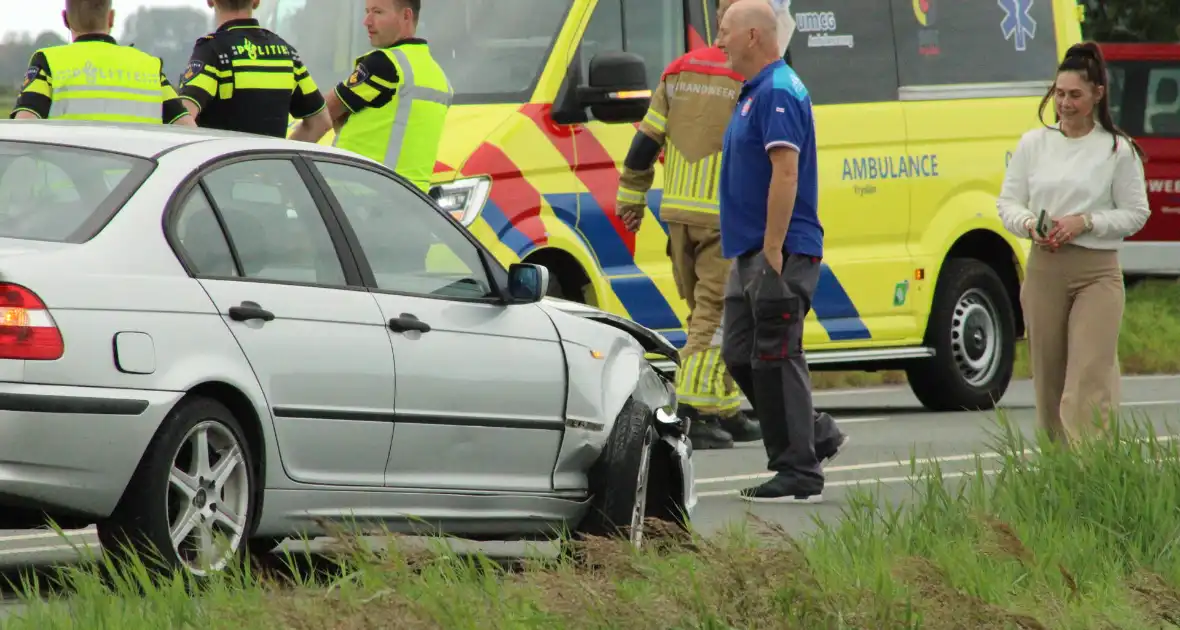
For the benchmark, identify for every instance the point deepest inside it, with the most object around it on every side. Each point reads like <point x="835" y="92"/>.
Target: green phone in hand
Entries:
<point x="1043" y="224"/>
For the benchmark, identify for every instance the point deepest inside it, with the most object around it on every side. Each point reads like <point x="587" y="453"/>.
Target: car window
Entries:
<point x="53" y="193"/>
<point x="652" y="29"/>
<point x="274" y="224"/>
<point x="201" y="238"/>
<point x="843" y="51"/>
<point x="1117" y="80"/>
<point x="410" y="246"/>
<point x="940" y="42"/>
<point x="1161" y="117"/>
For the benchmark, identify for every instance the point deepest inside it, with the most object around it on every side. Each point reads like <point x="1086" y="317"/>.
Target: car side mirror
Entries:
<point x="617" y="90"/>
<point x="527" y="283"/>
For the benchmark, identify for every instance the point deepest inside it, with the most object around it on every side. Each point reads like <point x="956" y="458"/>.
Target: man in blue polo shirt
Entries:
<point x="769" y="193"/>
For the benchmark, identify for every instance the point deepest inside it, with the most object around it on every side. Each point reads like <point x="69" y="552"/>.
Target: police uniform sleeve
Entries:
<point x="639" y="165"/>
<point x="173" y="107"/>
<point x="306" y="100"/>
<point x="36" y="90"/>
<point x="373" y="83"/>
<point x="206" y="71"/>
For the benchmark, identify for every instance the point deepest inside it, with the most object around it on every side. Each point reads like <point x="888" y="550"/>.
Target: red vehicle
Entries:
<point x="1145" y="99"/>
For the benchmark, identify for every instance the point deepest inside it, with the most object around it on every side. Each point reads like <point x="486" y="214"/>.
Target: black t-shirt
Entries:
<point x="246" y="78"/>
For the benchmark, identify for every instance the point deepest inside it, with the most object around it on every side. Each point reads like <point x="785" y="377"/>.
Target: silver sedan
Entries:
<point x="212" y="341"/>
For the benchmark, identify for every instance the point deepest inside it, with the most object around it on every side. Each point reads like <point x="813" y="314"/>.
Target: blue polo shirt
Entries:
<point x="773" y="110"/>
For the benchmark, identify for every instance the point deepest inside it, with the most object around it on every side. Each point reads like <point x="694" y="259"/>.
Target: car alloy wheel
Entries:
<point x="208" y="498"/>
<point x="639" y="510"/>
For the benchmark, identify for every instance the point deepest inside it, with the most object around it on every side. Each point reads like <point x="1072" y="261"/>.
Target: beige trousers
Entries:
<point x="1073" y="309"/>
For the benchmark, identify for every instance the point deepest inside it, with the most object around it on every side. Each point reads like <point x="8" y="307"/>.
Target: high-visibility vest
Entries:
<point x="95" y="80"/>
<point x="404" y="133"/>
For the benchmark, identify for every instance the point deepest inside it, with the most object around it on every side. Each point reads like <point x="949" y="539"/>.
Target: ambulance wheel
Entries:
<point x="972" y="329"/>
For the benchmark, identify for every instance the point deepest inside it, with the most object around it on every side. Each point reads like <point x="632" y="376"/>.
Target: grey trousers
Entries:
<point x="762" y="324"/>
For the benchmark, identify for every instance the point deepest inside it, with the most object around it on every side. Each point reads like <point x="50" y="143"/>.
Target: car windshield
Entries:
<point x="491" y="50"/>
<point x="62" y="194"/>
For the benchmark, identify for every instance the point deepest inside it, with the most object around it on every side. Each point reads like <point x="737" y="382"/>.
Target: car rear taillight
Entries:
<point x="27" y="330"/>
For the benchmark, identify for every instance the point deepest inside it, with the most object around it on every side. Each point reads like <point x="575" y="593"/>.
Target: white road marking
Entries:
<point x="842" y="421"/>
<point x="1152" y="403"/>
<point x="854" y="482"/>
<point x="920" y="461"/>
<point x="853" y="467"/>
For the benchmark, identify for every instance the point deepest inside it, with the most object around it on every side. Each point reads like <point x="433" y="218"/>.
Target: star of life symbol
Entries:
<point x="1017" y="24"/>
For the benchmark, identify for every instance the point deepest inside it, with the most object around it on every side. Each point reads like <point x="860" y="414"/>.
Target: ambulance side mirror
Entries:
<point x="617" y="90"/>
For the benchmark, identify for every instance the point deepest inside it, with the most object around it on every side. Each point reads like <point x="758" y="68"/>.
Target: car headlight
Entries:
<point x="463" y="198"/>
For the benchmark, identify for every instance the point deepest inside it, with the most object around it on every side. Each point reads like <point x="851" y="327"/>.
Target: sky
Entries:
<point x="39" y="15"/>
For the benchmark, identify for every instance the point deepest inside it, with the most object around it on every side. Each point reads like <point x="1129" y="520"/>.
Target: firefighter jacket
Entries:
<point x="689" y="112"/>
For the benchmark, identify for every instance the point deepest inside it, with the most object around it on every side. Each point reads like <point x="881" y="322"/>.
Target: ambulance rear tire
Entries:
<point x="972" y="329"/>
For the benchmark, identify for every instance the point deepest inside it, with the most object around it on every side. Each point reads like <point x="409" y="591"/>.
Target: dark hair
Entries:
<point x="234" y="5"/>
<point x="415" y="6"/>
<point x="1086" y="59"/>
<point x="88" y="16"/>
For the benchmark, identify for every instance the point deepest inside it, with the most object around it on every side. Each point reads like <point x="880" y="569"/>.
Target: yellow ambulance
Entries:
<point x="919" y="104"/>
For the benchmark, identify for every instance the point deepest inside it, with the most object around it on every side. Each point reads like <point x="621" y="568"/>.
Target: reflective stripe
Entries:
<point x="67" y="89"/>
<point x="627" y="195"/>
<point x="406" y="95"/>
<point x="685" y="203"/>
<point x="99" y="106"/>
<point x="655" y="121"/>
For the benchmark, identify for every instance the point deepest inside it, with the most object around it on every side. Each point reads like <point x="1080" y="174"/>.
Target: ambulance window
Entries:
<point x="841" y="52"/>
<point x="493" y="51"/>
<point x="941" y="42"/>
<point x="652" y="29"/>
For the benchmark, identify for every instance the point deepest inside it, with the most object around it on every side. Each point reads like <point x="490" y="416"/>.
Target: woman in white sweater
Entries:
<point x="1087" y="176"/>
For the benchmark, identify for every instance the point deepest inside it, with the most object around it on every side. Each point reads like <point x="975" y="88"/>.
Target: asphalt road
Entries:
<point x="886" y="426"/>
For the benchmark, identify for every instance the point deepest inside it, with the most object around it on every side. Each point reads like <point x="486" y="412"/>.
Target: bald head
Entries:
<point x="756" y="15"/>
<point x="749" y="35"/>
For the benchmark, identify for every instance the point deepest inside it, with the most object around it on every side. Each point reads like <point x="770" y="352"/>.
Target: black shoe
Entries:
<point x="742" y="428"/>
<point x="827" y="450"/>
<point x="706" y="434"/>
<point x="780" y="490"/>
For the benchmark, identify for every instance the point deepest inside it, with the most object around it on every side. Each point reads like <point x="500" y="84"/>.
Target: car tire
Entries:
<point x="619" y="480"/>
<point x="179" y="485"/>
<point x="972" y="329"/>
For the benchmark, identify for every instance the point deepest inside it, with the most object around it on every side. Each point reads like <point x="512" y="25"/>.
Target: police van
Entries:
<point x="919" y="104"/>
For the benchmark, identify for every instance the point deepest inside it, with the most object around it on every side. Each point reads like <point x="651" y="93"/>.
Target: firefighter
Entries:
<point x="94" y="78"/>
<point x="245" y="78"/>
<point x="690" y="109"/>
<point x="393" y="106"/>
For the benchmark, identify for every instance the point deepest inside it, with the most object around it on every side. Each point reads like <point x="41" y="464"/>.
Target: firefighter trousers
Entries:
<point x="701" y="272"/>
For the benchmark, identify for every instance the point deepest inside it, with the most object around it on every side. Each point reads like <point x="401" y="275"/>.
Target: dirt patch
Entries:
<point x="1156" y="597"/>
<point x="943" y="607"/>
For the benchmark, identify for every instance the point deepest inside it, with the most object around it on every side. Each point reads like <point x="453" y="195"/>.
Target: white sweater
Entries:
<point x="1072" y="176"/>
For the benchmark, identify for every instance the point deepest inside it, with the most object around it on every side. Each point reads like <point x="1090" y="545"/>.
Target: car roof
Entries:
<point x="143" y="140"/>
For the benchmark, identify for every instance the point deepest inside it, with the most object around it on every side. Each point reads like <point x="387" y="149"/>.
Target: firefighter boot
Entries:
<point x="705" y="430"/>
<point x="741" y="427"/>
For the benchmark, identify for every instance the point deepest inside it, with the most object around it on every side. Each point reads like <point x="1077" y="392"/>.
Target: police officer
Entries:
<point x="393" y="106"/>
<point x="689" y="111"/>
<point x="94" y="78"/>
<point x="243" y="77"/>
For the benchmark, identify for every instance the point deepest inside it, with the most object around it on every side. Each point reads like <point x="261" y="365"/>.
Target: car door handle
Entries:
<point x="248" y="311"/>
<point x="408" y="322"/>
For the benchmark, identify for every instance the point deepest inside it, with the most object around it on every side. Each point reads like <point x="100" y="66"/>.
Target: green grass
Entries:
<point x="1149" y="342"/>
<point x="1082" y="540"/>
